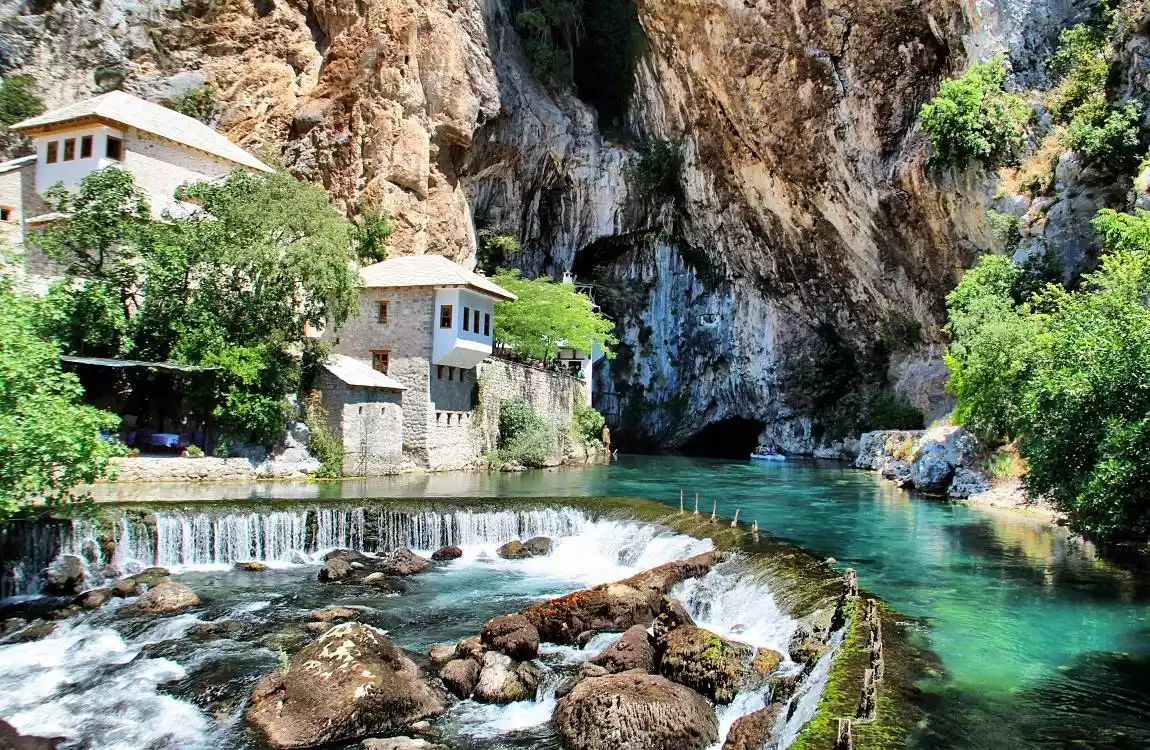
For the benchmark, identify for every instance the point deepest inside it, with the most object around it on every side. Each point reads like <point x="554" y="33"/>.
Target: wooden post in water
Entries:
<point x="680" y="502"/>
<point x="696" y="503"/>
<point x="735" y="523"/>
<point x="714" y="510"/>
<point x="844" y="739"/>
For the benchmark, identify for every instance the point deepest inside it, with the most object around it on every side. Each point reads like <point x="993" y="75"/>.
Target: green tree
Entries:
<point x="199" y="102"/>
<point x="548" y="315"/>
<point x="18" y="102"/>
<point x="107" y="222"/>
<point x="370" y="233"/>
<point x="659" y="168"/>
<point x="992" y="349"/>
<point x="524" y="436"/>
<point x="974" y="119"/>
<point x="495" y="247"/>
<point x="232" y="288"/>
<point x="49" y="441"/>
<point x="1086" y="434"/>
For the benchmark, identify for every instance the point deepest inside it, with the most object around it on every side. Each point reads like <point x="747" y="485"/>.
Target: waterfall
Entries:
<point x="26" y="548"/>
<point x="180" y="538"/>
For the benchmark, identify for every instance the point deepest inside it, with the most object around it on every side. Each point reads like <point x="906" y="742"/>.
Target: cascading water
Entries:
<point x="180" y="539"/>
<point x="26" y="549"/>
<point x="135" y="673"/>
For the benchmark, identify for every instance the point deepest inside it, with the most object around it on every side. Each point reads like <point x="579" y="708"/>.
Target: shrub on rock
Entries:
<point x="349" y="682"/>
<point x="635" y="711"/>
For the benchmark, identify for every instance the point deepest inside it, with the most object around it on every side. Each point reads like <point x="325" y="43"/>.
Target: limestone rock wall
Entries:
<point x="804" y="223"/>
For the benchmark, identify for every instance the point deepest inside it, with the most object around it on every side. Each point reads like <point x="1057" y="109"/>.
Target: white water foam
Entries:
<point x="73" y="695"/>
<point x="88" y="684"/>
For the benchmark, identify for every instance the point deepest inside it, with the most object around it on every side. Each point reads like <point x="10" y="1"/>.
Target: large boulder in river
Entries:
<point x="635" y="712"/>
<point x="402" y="562"/>
<point x="614" y="606"/>
<point x="138" y="583"/>
<point x="633" y="650"/>
<point x="706" y="662"/>
<point x="450" y="552"/>
<point x="336" y="569"/>
<point x="401" y="743"/>
<point x="751" y="732"/>
<point x="350" y="682"/>
<point x="513" y="635"/>
<point x="460" y="676"/>
<point x="166" y="597"/>
<point x="65" y="575"/>
<point x="504" y="680"/>
<point x="537" y="546"/>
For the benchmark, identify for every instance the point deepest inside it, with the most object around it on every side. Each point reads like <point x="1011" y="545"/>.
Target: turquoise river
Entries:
<point x="1043" y="644"/>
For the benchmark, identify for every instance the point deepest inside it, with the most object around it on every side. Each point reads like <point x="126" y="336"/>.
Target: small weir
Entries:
<point x="193" y="538"/>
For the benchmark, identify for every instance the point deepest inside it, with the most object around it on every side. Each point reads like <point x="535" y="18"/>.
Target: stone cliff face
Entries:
<point x="805" y="252"/>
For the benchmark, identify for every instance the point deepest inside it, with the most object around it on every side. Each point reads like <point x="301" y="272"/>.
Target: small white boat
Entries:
<point x="760" y="454"/>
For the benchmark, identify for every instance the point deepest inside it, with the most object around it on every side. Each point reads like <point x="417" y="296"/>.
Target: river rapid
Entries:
<point x="114" y="680"/>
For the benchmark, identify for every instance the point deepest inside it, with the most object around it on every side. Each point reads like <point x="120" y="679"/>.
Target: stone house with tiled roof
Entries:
<point x="428" y="325"/>
<point x="161" y="148"/>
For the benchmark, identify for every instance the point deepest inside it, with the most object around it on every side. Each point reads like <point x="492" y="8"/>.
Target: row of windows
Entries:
<point x="459" y="415"/>
<point x="439" y="369"/>
<point x="470" y="319"/>
<point x="113" y="150"/>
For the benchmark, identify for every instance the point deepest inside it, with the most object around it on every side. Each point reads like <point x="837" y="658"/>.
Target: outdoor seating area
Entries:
<point x="158" y="415"/>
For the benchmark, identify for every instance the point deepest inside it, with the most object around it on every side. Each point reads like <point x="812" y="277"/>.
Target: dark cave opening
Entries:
<point x="728" y="438"/>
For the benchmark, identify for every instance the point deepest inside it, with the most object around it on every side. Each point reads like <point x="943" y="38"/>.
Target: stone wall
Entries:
<point x="206" y="469"/>
<point x="159" y="167"/>
<point x="407" y="335"/>
<point x="369" y="421"/>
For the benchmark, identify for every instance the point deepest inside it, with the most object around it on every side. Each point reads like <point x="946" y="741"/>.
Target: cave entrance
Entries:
<point x="728" y="438"/>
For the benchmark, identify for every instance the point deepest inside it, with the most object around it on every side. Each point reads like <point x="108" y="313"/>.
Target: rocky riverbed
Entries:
<point x="531" y="627"/>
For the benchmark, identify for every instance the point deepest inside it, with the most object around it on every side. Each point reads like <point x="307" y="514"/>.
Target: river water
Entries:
<point x="1043" y="644"/>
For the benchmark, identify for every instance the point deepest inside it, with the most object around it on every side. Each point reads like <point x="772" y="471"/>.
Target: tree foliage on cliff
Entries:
<point x="546" y="316"/>
<point x="18" y="101"/>
<point x="974" y="119"/>
<point x="49" y="441"/>
<point x="1104" y="132"/>
<point x="1065" y="373"/>
<point x="231" y="287"/>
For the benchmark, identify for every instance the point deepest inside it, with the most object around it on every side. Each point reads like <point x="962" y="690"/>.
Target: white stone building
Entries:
<point x="161" y="148"/>
<point x="428" y="325"/>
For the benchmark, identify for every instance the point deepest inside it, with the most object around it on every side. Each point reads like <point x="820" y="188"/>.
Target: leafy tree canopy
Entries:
<point x="1065" y="373"/>
<point x="49" y="441"/>
<point x="232" y="287"/>
<point x="974" y="119"/>
<point x="18" y="101"/>
<point x="370" y="231"/>
<point x="199" y="102"/>
<point x="546" y="316"/>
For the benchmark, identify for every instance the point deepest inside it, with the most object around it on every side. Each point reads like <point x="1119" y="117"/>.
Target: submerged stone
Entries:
<point x="633" y="650"/>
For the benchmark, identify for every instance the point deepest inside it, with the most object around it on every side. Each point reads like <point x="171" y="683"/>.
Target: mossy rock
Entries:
<point x="705" y="662"/>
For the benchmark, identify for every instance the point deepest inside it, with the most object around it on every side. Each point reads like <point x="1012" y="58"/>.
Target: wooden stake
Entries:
<point x="735" y="523"/>
<point x="680" y="502"/>
<point x="714" y="510"/>
<point x="696" y="503"/>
